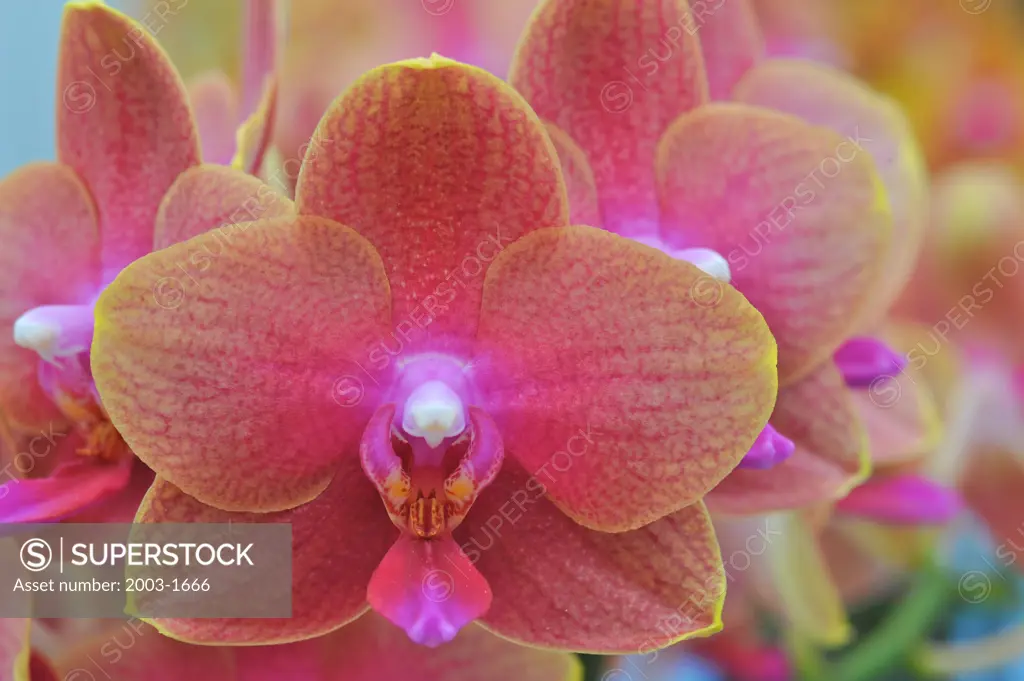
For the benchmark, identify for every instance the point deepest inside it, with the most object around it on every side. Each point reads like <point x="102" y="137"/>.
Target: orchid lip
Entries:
<point x="864" y="361"/>
<point x="902" y="500"/>
<point x="769" y="450"/>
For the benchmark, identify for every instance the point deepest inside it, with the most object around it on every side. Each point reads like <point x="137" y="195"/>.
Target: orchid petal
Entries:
<point x="428" y="588"/>
<point x="72" y="486"/>
<point x="683" y="387"/>
<point x="210" y="196"/>
<point x="215" y="105"/>
<point x="248" y="409"/>
<point x="613" y="74"/>
<point x="128" y="132"/>
<point x="559" y="585"/>
<point x="254" y="136"/>
<point x="731" y="41"/>
<point x="901" y="418"/>
<point x="338" y="540"/>
<point x="261" y="37"/>
<point x="46" y="219"/>
<point x="831" y="456"/>
<point x="823" y="95"/>
<point x="584" y="208"/>
<point x="799" y="214"/>
<point x="439" y="166"/>
<point x="371" y="649"/>
<point x="135" y="651"/>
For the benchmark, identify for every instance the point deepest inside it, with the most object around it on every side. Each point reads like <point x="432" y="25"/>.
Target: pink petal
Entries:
<point x="254" y="135"/>
<point x="901" y="418"/>
<point x="125" y="125"/>
<point x="823" y="95"/>
<point x="215" y="106"/>
<point x="584" y="206"/>
<point x="797" y="211"/>
<point x="260" y="43"/>
<point x="615" y="379"/>
<point x="440" y="166"/>
<point x="134" y="651"/>
<point x="373" y="649"/>
<point x="559" y="585"/>
<point x="613" y="74"/>
<point x="428" y="588"/>
<point x="72" y="486"/>
<point x="338" y="540"/>
<point x="238" y="389"/>
<point x="731" y="40"/>
<point x="210" y="196"/>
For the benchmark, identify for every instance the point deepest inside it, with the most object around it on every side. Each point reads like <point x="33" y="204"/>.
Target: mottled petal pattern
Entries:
<point x="618" y="376"/>
<point x="798" y="211"/>
<point x="731" y="40"/>
<point x="208" y="197"/>
<point x="337" y="542"/>
<point x="613" y="74"/>
<point x="124" y="124"/>
<point x="440" y="166"/>
<point x="559" y="585"/>
<point x="240" y="382"/>
<point x="823" y="95"/>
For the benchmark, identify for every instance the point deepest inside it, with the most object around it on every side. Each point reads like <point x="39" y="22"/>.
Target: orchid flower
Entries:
<point x="466" y="409"/>
<point x="369" y="650"/>
<point x="128" y="154"/>
<point x="960" y="79"/>
<point x="819" y="561"/>
<point x="803" y="192"/>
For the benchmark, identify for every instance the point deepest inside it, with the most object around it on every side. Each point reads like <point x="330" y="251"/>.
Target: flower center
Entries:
<point x="434" y="412"/>
<point x="431" y="463"/>
<point x="55" y="331"/>
<point x="61" y="335"/>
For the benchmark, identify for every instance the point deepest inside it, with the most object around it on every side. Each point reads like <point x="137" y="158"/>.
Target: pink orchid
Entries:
<point x="790" y="191"/>
<point x="128" y="156"/>
<point x="369" y="650"/>
<point x="526" y="444"/>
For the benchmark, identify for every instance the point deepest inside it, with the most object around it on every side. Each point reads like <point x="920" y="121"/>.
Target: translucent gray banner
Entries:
<point x="152" y="571"/>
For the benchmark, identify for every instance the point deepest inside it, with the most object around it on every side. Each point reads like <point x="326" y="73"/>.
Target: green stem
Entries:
<point x="903" y="629"/>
